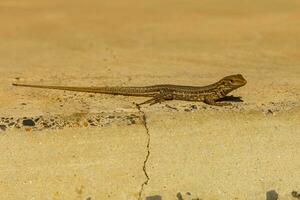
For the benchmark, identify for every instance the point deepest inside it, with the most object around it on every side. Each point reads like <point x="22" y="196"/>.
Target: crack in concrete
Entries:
<point x="144" y="121"/>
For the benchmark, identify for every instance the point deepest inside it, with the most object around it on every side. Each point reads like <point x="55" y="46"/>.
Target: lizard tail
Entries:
<point x="126" y="91"/>
<point x="78" y="89"/>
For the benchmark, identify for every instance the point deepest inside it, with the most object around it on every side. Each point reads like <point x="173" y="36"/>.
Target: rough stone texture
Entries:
<point x="101" y="163"/>
<point x="93" y="146"/>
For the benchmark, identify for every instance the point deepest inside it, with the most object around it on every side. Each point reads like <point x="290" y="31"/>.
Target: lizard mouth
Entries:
<point x="241" y="80"/>
<point x="239" y="84"/>
<point x="244" y="82"/>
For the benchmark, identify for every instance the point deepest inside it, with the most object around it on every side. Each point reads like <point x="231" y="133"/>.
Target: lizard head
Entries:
<point x="232" y="82"/>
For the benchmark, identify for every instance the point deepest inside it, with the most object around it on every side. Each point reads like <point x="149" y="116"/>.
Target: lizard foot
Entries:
<point x="214" y="103"/>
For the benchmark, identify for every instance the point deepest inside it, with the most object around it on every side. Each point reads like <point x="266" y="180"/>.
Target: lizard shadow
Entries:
<point x="231" y="98"/>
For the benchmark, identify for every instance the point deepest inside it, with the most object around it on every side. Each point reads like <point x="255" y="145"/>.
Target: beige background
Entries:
<point x="238" y="152"/>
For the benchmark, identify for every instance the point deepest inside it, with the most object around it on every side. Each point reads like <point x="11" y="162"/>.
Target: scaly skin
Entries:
<point x="208" y="94"/>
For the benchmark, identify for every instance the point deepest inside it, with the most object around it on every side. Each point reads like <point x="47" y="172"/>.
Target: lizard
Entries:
<point x="209" y="94"/>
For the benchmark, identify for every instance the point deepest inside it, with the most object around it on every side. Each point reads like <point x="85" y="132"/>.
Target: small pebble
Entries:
<point x="194" y="107"/>
<point x="271" y="195"/>
<point x="296" y="194"/>
<point x="2" y="127"/>
<point x="37" y="119"/>
<point x="28" y="122"/>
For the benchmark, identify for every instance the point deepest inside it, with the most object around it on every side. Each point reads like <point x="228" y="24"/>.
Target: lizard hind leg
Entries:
<point x="157" y="99"/>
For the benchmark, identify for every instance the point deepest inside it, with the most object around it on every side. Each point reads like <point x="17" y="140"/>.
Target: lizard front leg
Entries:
<point x="213" y="102"/>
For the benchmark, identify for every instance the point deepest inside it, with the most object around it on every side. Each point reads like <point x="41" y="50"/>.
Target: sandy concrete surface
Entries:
<point x="67" y="145"/>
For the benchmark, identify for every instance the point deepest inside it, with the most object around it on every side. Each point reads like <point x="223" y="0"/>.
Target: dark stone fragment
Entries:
<point x="37" y="119"/>
<point x="11" y="123"/>
<point x="46" y="125"/>
<point x="179" y="196"/>
<point x="271" y="195"/>
<point x="296" y="194"/>
<point x="187" y="110"/>
<point x="2" y="127"/>
<point x="155" y="197"/>
<point x="194" y="107"/>
<point x="28" y="122"/>
<point x="131" y="121"/>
